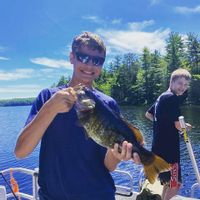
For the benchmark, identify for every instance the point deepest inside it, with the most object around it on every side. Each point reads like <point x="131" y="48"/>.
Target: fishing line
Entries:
<point x="4" y="178"/>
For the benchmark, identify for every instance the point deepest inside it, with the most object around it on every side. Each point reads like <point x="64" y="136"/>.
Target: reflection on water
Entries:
<point x="12" y="120"/>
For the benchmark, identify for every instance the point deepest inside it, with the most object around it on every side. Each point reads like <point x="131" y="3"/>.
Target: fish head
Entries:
<point x="84" y="102"/>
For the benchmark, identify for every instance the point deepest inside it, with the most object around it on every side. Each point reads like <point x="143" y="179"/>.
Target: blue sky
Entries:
<point x="35" y="36"/>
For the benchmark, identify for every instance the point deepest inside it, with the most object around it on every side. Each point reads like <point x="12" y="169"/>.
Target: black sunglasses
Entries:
<point x="85" y="58"/>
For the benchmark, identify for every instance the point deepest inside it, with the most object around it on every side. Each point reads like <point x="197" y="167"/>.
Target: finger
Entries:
<point x="116" y="146"/>
<point x="78" y="87"/>
<point x="136" y="158"/>
<point x="72" y="91"/>
<point x="188" y="125"/>
<point x="128" y="151"/>
<point x="69" y="94"/>
<point x="124" y="150"/>
<point x="115" y="151"/>
<point x="69" y="102"/>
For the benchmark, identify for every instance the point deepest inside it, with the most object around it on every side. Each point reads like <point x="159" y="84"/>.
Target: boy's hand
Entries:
<point x="125" y="152"/>
<point x="188" y="126"/>
<point x="62" y="101"/>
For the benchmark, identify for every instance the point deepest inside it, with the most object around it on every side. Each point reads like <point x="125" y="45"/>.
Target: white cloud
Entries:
<point x="186" y="10"/>
<point x="20" y="88"/>
<point x="2" y="49"/>
<point x="4" y="58"/>
<point x="98" y="20"/>
<point x="116" y="21"/>
<point x="134" y="39"/>
<point x="47" y="70"/>
<point x="52" y="63"/>
<point x="137" y="26"/>
<point x="154" y="2"/>
<point x="16" y="74"/>
<point x="93" y="18"/>
<point x="19" y="91"/>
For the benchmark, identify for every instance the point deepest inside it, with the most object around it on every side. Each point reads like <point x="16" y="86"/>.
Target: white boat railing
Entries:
<point x="194" y="187"/>
<point x="120" y="190"/>
<point x="33" y="174"/>
<point x="124" y="190"/>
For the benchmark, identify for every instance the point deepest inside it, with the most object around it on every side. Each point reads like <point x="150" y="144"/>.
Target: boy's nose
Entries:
<point x="90" y="63"/>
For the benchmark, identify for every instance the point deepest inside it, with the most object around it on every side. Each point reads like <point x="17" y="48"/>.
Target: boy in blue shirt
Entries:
<point x="72" y="166"/>
<point x="164" y="113"/>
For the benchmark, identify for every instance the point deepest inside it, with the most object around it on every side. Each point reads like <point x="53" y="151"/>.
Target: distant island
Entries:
<point x="17" y="102"/>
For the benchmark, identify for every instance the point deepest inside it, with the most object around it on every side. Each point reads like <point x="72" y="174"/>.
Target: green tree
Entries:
<point x="175" y="52"/>
<point x="138" y="94"/>
<point x="125" y="78"/>
<point x="147" y="67"/>
<point x="105" y="82"/>
<point x="62" y="81"/>
<point x="158" y="74"/>
<point x="193" y="53"/>
<point x="194" y="96"/>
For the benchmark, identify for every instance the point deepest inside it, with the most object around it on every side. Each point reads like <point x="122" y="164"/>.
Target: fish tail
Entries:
<point x="154" y="168"/>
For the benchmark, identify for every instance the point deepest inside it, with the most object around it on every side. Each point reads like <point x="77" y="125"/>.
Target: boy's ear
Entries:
<point x="71" y="58"/>
<point x="171" y="83"/>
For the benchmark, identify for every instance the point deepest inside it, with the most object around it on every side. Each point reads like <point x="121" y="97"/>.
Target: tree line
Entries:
<point x="17" y="102"/>
<point x="134" y="79"/>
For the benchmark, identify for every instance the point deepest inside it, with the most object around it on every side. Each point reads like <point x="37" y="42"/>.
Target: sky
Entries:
<point x="36" y="36"/>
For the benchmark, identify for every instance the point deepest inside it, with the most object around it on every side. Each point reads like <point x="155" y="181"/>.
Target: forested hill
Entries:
<point x="17" y="102"/>
<point x="133" y="79"/>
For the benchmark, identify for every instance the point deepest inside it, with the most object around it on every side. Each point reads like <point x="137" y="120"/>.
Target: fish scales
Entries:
<point x="106" y="127"/>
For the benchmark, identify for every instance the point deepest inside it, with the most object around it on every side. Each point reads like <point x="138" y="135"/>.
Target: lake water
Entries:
<point x="12" y="120"/>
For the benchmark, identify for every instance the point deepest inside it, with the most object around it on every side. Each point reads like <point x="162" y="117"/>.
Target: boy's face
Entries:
<point x="179" y="86"/>
<point x="87" y="65"/>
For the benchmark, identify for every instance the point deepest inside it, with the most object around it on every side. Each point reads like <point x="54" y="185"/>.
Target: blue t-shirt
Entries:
<point x="71" y="166"/>
<point x="165" y="135"/>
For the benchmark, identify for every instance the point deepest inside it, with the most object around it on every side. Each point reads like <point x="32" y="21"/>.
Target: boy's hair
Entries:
<point x="180" y="73"/>
<point x="91" y="40"/>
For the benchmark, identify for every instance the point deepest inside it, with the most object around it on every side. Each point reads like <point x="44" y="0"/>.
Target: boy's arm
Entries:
<point x="30" y="136"/>
<point x="149" y="116"/>
<point x="178" y="126"/>
<point x="150" y="113"/>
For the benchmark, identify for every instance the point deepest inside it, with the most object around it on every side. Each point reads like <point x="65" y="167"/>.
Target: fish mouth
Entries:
<point x="85" y="105"/>
<point x="83" y="102"/>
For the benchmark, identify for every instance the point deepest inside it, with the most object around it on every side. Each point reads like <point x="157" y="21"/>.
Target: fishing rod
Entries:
<point x="4" y="178"/>
<point x="189" y="148"/>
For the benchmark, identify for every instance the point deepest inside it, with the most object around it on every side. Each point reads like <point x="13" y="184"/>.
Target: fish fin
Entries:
<point x="136" y="132"/>
<point x="155" y="168"/>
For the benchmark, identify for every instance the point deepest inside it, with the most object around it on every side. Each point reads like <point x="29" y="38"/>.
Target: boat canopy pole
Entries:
<point x="189" y="148"/>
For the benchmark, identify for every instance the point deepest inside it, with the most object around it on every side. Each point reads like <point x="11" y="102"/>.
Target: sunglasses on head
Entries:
<point x="85" y="58"/>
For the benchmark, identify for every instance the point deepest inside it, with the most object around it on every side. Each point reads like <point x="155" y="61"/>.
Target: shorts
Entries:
<point x="171" y="178"/>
